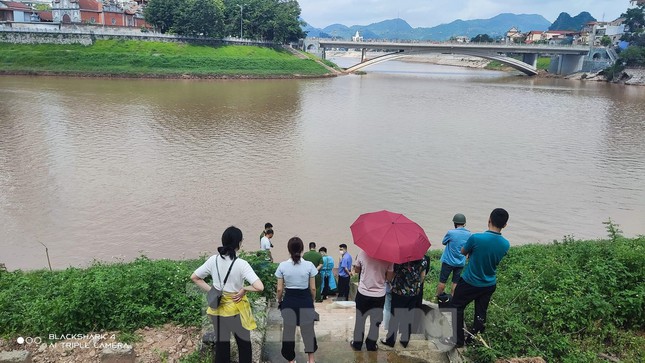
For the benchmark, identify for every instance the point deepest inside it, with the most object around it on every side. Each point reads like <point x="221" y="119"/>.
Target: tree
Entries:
<point x="199" y="18"/>
<point x="634" y="19"/>
<point x="287" y="26"/>
<point x="42" y="7"/>
<point x="633" y="56"/>
<point x="605" y="41"/>
<point x="273" y="20"/>
<point x="482" y="38"/>
<point x="161" y="13"/>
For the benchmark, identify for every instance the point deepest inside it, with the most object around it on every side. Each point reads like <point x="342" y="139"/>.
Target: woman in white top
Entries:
<point x="233" y="315"/>
<point x="296" y="279"/>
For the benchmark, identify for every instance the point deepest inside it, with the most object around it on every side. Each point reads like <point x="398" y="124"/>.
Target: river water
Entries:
<point x="110" y="169"/>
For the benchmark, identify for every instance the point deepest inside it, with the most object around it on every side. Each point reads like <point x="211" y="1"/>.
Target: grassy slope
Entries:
<point x="134" y="58"/>
<point x="566" y="302"/>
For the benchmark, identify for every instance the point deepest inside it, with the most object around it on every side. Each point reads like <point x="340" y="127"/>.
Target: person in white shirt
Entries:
<point x="265" y="243"/>
<point x="296" y="280"/>
<point x="233" y="315"/>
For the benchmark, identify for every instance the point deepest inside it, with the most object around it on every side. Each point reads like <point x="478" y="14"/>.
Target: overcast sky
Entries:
<point x="429" y="13"/>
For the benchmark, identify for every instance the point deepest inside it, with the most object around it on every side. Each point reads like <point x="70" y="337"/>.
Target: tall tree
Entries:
<point x="161" y="13"/>
<point x="634" y="19"/>
<point x="273" y="20"/>
<point x="200" y="18"/>
<point x="287" y="25"/>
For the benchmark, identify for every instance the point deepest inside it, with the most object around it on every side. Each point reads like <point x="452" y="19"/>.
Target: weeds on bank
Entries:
<point x="572" y="301"/>
<point x="109" y="297"/>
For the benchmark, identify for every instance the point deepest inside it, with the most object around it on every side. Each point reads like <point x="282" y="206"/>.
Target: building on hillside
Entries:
<point x="16" y="12"/>
<point x="534" y="36"/>
<point x="613" y="29"/>
<point x="514" y="35"/>
<point x="560" y="36"/>
<point x="637" y="2"/>
<point x="107" y="12"/>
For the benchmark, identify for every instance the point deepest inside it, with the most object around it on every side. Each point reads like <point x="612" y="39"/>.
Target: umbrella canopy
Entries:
<point x="390" y="237"/>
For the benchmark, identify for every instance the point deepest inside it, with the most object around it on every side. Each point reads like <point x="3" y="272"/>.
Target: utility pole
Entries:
<point x="241" y="13"/>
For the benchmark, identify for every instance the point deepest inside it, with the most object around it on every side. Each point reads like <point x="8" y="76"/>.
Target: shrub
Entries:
<point x="104" y="297"/>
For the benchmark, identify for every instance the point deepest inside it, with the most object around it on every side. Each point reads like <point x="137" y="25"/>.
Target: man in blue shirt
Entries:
<point x="344" y="269"/>
<point x="452" y="261"/>
<point x="479" y="280"/>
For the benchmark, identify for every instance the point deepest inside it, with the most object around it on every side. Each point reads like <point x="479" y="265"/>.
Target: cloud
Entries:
<point x="424" y="13"/>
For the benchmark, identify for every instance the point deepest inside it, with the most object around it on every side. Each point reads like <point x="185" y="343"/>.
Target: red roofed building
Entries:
<point x="534" y="36"/>
<point x="14" y="11"/>
<point x="96" y="12"/>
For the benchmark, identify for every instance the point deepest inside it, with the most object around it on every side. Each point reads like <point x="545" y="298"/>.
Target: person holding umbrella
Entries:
<point x="370" y="298"/>
<point x="385" y="238"/>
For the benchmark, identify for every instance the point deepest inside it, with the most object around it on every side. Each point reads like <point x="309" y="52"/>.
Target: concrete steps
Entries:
<point x="335" y="329"/>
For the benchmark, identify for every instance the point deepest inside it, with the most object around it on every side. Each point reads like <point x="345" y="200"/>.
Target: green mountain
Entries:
<point x="566" y="22"/>
<point x="399" y="29"/>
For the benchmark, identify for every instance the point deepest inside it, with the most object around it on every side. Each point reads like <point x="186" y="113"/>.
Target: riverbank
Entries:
<point x="134" y="59"/>
<point x="629" y="76"/>
<point x="572" y="300"/>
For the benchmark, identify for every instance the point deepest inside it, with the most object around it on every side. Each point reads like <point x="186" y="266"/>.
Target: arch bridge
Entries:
<point x="570" y="58"/>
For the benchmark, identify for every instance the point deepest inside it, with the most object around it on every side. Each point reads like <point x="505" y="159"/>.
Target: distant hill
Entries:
<point x="566" y="22"/>
<point x="400" y="29"/>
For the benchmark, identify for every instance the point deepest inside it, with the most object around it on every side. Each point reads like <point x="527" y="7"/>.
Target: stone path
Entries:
<point x="335" y="330"/>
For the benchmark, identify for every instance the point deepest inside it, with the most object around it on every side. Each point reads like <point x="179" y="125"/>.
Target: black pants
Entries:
<point x="402" y="310"/>
<point x="289" y="340"/>
<point x="463" y="295"/>
<point x="297" y="310"/>
<point x="224" y="326"/>
<point x="326" y="290"/>
<point x="372" y="307"/>
<point x="343" y="287"/>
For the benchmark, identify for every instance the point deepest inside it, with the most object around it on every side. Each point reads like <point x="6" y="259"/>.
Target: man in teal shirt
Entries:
<point x="479" y="279"/>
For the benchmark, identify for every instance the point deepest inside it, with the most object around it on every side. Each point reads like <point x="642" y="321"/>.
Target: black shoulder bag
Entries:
<point x="214" y="296"/>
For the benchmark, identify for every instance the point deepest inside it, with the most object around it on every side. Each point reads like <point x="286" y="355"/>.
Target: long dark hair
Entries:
<point x="231" y="239"/>
<point x="295" y="247"/>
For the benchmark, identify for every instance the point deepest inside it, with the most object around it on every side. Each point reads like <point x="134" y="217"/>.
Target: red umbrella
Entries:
<point x="390" y="237"/>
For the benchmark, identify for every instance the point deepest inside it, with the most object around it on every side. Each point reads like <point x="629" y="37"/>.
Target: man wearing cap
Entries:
<point x="452" y="261"/>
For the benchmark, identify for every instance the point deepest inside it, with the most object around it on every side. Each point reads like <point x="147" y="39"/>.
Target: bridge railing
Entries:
<point x="455" y="44"/>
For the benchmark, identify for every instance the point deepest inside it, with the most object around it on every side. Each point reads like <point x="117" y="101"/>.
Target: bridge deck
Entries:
<point x="460" y="47"/>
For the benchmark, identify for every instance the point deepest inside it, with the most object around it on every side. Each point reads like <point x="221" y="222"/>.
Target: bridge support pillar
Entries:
<point x="323" y="54"/>
<point x="363" y="52"/>
<point x="530" y="59"/>
<point x="566" y="64"/>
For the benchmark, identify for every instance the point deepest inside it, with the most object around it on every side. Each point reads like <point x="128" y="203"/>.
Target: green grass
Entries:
<point x="566" y="302"/>
<point x="542" y="64"/>
<point x="134" y="58"/>
<point x="109" y="297"/>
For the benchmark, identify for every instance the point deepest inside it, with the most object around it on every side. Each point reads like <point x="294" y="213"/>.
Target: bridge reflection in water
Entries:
<point x="570" y="57"/>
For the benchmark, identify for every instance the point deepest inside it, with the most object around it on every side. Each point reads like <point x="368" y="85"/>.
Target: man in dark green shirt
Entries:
<point x="315" y="257"/>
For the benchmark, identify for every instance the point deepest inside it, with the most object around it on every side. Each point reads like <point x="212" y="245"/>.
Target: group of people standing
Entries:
<point x="308" y="277"/>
